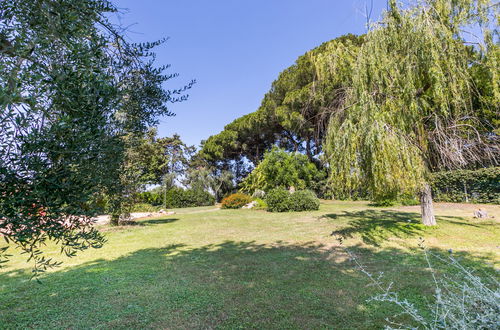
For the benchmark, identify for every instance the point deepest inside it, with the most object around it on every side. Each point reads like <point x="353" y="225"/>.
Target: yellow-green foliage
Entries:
<point x="282" y="169"/>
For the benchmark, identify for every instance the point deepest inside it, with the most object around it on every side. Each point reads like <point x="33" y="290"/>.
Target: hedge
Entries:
<point x="474" y="186"/>
<point x="178" y="198"/>
<point x="154" y="198"/>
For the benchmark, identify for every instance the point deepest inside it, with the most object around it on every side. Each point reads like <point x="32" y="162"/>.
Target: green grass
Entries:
<point x="201" y="268"/>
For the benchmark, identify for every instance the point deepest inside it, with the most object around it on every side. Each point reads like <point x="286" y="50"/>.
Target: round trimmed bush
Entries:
<point x="277" y="200"/>
<point x="304" y="200"/>
<point x="235" y="201"/>
<point x="280" y="200"/>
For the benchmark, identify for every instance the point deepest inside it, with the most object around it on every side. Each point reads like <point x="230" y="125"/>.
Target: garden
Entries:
<point x="361" y="191"/>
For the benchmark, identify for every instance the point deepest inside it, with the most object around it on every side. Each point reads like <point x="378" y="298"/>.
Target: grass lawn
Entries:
<point x="206" y="268"/>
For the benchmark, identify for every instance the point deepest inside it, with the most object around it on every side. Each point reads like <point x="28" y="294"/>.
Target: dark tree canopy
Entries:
<point x="71" y="89"/>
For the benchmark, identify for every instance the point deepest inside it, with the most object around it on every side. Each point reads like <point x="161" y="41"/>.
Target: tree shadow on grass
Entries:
<point x="157" y="221"/>
<point x="376" y="226"/>
<point x="227" y="285"/>
<point x="139" y="222"/>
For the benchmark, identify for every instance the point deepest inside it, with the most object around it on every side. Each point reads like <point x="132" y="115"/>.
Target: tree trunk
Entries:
<point x="308" y="149"/>
<point x="114" y="219"/>
<point x="426" y="206"/>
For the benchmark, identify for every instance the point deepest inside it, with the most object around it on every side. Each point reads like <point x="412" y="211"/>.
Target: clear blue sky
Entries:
<point x="234" y="49"/>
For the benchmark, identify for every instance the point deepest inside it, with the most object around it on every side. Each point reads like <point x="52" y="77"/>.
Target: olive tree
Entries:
<point x="71" y="89"/>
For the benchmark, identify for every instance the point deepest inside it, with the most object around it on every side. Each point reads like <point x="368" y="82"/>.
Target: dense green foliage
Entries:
<point x="277" y="200"/>
<point x="73" y="92"/>
<point x="175" y="197"/>
<point x="154" y="197"/>
<point x="235" y="201"/>
<point x="159" y="160"/>
<point x="178" y="198"/>
<point x="281" y="200"/>
<point x="304" y="200"/>
<point x="479" y="186"/>
<point x="283" y="169"/>
<point x="144" y="207"/>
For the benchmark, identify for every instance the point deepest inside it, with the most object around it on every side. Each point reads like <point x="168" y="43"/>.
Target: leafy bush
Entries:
<point x="385" y="200"/>
<point x="283" y="169"/>
<point x="261" y="204"/>
<point x="144" y="207"/>
<point x="479" y="186"/>
<point x="303" y="200"/>
<point x="179" y="198"/>
<point x="235" y="201"/>
<point x="150" y="197"/>
<point x="280" y="200"/>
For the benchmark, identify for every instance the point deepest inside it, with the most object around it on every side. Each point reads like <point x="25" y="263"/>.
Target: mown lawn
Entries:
<point x="206" y="268"/>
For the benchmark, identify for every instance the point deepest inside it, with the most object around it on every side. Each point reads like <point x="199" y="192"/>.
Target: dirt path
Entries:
<point x="104" y="219"/>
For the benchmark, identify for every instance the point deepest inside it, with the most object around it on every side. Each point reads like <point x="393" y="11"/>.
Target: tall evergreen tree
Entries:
<point x="294" y="113"/>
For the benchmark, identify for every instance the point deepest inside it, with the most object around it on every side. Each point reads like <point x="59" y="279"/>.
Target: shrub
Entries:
<point x="303" y="200"/>
<point x="179" y="198"/>
<point x="235" y="201"/>
<point x="150" y="197"/>
<point x="283" y="169"/>
<point x="260" y="204"/>
<point x="280" y="200"/>
<point x="144" y="207"/>
<point x="384" y="201"/>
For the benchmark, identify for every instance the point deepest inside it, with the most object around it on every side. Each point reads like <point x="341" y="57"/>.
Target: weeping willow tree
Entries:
<point x="410" y="107"/>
